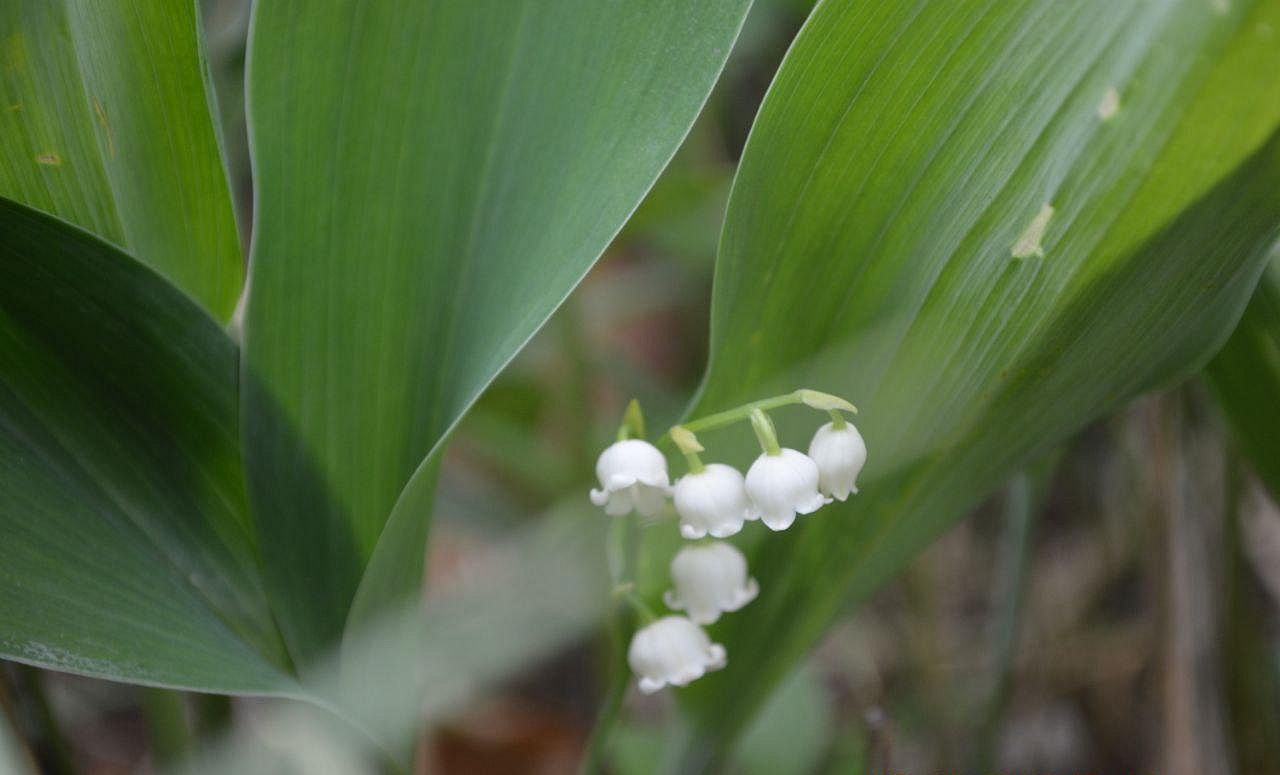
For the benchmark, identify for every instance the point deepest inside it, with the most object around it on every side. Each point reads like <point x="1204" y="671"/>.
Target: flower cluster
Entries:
<point x="716" y="500"/>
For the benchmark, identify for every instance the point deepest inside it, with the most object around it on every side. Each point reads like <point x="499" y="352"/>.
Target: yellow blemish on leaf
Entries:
<point x="1220" y="7"/>
<point x="1110" y="103"/>
<point x="49" y="160"/>
<point x="1028" y="244"/>
<point x="13" y="55"/>
<point x="102" y="118"/>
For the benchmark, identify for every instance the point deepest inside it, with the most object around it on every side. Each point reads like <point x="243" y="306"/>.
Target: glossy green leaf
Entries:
<point x="127" y="551"/>
<point x="985" y="223"/>
<point x="432" y="180"/>
<point x="105" y="121"/>
<point x="1245" y="379"/>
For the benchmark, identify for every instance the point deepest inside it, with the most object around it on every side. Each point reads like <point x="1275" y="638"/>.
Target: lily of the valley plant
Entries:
<point x="711" y="577"/>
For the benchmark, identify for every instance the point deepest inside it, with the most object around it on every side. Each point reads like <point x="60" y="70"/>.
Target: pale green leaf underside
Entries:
<point x="432" y="180"/>
<point x="126" y="550"/>
<point x="105" y="122"/>
<point x="984" y="223"/>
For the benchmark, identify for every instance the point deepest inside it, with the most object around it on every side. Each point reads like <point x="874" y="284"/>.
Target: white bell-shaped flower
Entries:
<point x="633" y="475"/>
<point x="783" y="485"/>
<point x="673" y="650"/>
<point x="713" y="501"/>
<point x="840" y="454"/>
<point x="709" y="579"/>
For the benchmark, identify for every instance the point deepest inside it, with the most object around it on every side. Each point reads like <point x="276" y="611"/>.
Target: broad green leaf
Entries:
<point x="106" y="122"/>
<point x="432" y="180"/>
<point x="1245" y="379"/>
<point x="985" y="223"/>
<point x="125" y="546"/>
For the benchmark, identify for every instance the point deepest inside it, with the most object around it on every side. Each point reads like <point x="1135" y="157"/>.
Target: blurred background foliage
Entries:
<point x="1113" y="608"/>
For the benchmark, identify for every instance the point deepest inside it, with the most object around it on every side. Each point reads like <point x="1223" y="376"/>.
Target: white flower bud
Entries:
<point x="840" y="454"/>
<point x="709" y="579"/>
<point x="783" y="485"/>
<point x="633" y="475"/>
<point x="713" y="501"/>
<point x="672" y="650"/>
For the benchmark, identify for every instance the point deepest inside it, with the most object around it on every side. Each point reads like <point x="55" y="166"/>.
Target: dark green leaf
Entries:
<point x="1245" y="378"/>
<point x="127" y="551"/>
